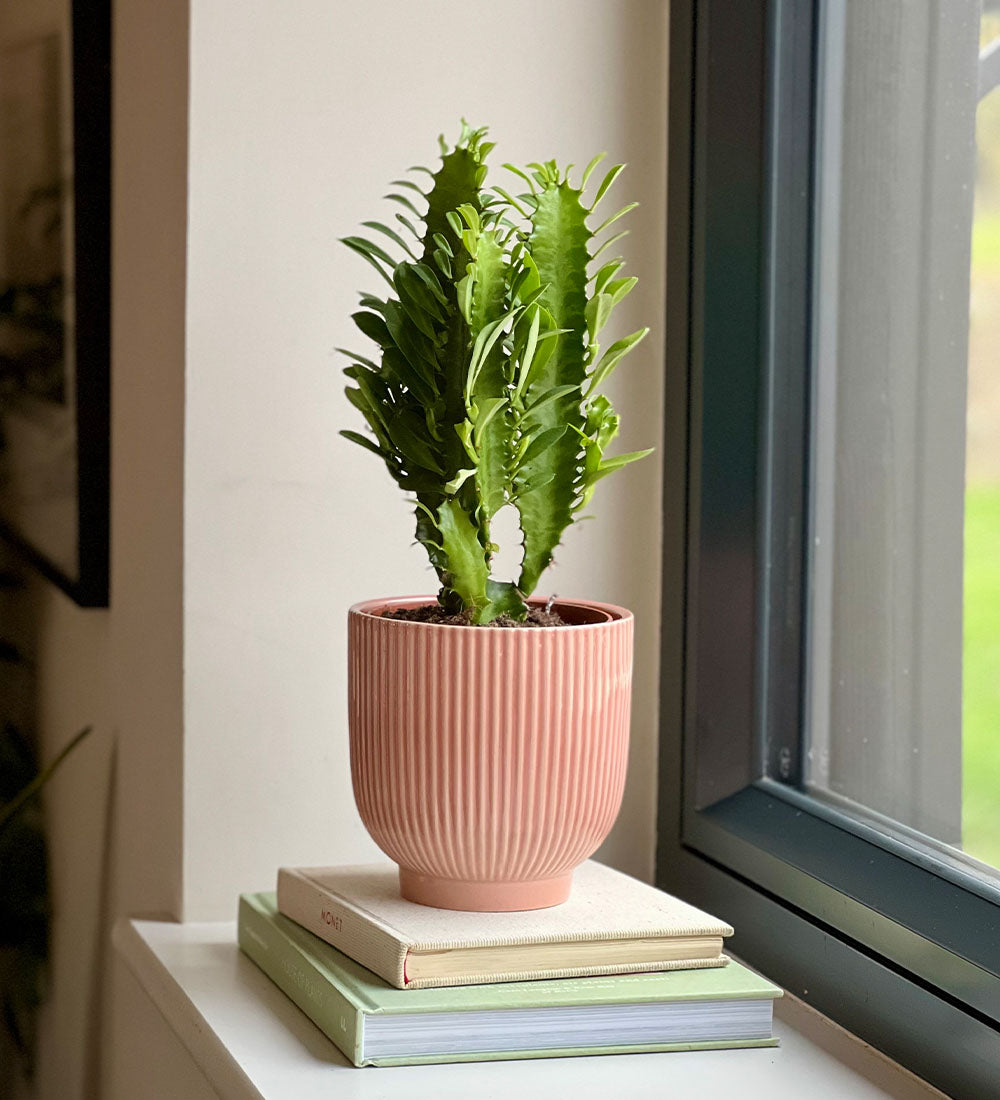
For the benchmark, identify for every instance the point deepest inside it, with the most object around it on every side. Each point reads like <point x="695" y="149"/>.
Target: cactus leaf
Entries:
<point x="620" y="288"/>
<point x="504" y="599"/>
<point x="404" y="220"/>
<point x="411" y="185"/>
<point x="391" y="234"/>
<point x="598" y="311"/>
<point x="612" y="357"/>
<point x="459" y="480"/>
<point x="609" y="242"/>
<point x="606" y="273"/>
<point x="606" y="183"/>
<point x="553" y="394"/>
<point x="404" y="201"/>
<point x="614" y="217"/>
<point x="590" y="168"/>
<point x="363" y="441"/>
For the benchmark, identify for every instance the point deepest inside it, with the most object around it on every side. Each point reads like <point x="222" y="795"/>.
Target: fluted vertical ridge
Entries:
<point x="484" y="757"/>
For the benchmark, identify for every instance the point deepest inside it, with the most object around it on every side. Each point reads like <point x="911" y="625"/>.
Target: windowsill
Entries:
<point x="250" y="1041"/>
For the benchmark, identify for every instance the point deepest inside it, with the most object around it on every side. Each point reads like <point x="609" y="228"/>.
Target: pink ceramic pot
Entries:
<point x="489" y="762"/>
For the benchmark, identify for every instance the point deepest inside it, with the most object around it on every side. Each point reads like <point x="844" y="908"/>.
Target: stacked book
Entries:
<point x="620" y="967"/>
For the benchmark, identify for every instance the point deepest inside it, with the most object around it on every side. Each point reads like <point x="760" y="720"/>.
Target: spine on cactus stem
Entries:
<point x="484" y="389"/>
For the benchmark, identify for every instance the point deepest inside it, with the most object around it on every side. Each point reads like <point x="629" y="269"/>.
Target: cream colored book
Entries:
<point x="612" y="924"/>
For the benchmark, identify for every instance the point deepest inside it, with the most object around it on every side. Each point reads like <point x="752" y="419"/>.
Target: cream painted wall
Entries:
<point x="68" y="674"/>
<point x="149" y="199"/>
<point x="299" y="115"/>
<point x="68" y="677"/>
<point x="150" y="1062"/>
<point x="149" y="188"/>
<point x="114" y="810"/>
<point x="225" y="259"/>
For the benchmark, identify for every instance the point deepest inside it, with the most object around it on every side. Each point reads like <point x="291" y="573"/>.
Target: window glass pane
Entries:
<point x="903" y="711"/>
<point x="981" y="693"/>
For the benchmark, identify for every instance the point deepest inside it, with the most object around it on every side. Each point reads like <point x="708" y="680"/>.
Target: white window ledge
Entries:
<point x="250" y="1041"/>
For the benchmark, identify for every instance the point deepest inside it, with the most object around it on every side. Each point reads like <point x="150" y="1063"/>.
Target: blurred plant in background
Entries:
<point x="981" y="650"/>
<point x="25" y="908"/>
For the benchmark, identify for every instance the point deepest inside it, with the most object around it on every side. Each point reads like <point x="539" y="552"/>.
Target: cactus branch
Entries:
<point x="484" y="389"/>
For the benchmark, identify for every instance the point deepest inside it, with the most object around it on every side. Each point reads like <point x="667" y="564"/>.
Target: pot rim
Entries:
<point x="373" y="609"/>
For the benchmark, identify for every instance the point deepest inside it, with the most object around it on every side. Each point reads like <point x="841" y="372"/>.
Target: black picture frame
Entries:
<point x="79" y="562"/>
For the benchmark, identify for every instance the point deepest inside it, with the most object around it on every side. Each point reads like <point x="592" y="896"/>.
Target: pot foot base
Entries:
<point x="483" y="897"/>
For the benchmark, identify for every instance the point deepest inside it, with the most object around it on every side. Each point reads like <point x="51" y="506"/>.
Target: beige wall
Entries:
<point x="300" y="115"/>
<point x="230" y="294"/>
<point x="68" y="672"/>
<point x="67" y="651"/>
<point x="114" y="810"/>
<point x="148" y="260"/>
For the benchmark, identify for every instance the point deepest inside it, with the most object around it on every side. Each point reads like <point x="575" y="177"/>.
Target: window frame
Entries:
<point x="867" y="928"/>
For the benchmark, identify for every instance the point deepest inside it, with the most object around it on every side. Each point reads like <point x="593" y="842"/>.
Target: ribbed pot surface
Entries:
<point x="488" y="762"/>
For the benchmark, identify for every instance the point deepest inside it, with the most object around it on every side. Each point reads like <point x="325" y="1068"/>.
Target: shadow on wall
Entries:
<point x="24" y="900"/>
<point x="634" y="508"/>
<point x="28" y="904"/>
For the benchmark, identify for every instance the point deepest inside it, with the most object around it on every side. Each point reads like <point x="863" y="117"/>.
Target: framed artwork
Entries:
<point x="55" y="179"/>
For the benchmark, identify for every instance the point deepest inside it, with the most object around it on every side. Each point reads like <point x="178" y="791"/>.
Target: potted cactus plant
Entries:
<point x="489" y="762"/>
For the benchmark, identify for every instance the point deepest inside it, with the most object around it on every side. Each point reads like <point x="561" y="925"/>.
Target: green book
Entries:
<point x="374" y="1023"/>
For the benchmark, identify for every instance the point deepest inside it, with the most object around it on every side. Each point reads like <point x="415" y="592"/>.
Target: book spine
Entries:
<point x="343" y="927"/>
<point x="297" y="977"/>
<point x="610" y="970"/>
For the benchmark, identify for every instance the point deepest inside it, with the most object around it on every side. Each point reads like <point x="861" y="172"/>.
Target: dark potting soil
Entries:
<point x="435" y="613"/>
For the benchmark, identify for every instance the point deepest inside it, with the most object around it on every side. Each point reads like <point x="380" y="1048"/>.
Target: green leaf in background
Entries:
<point x="25" y="909"/>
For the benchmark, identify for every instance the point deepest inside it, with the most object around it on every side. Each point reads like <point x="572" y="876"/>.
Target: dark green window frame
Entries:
<point x="896" y="945"/>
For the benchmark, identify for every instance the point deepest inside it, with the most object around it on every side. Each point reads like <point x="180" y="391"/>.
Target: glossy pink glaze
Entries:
<point x="488" y="762"/>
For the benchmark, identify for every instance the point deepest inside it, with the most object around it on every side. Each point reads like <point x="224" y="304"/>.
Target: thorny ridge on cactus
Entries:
<point x="486" y="392"/>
